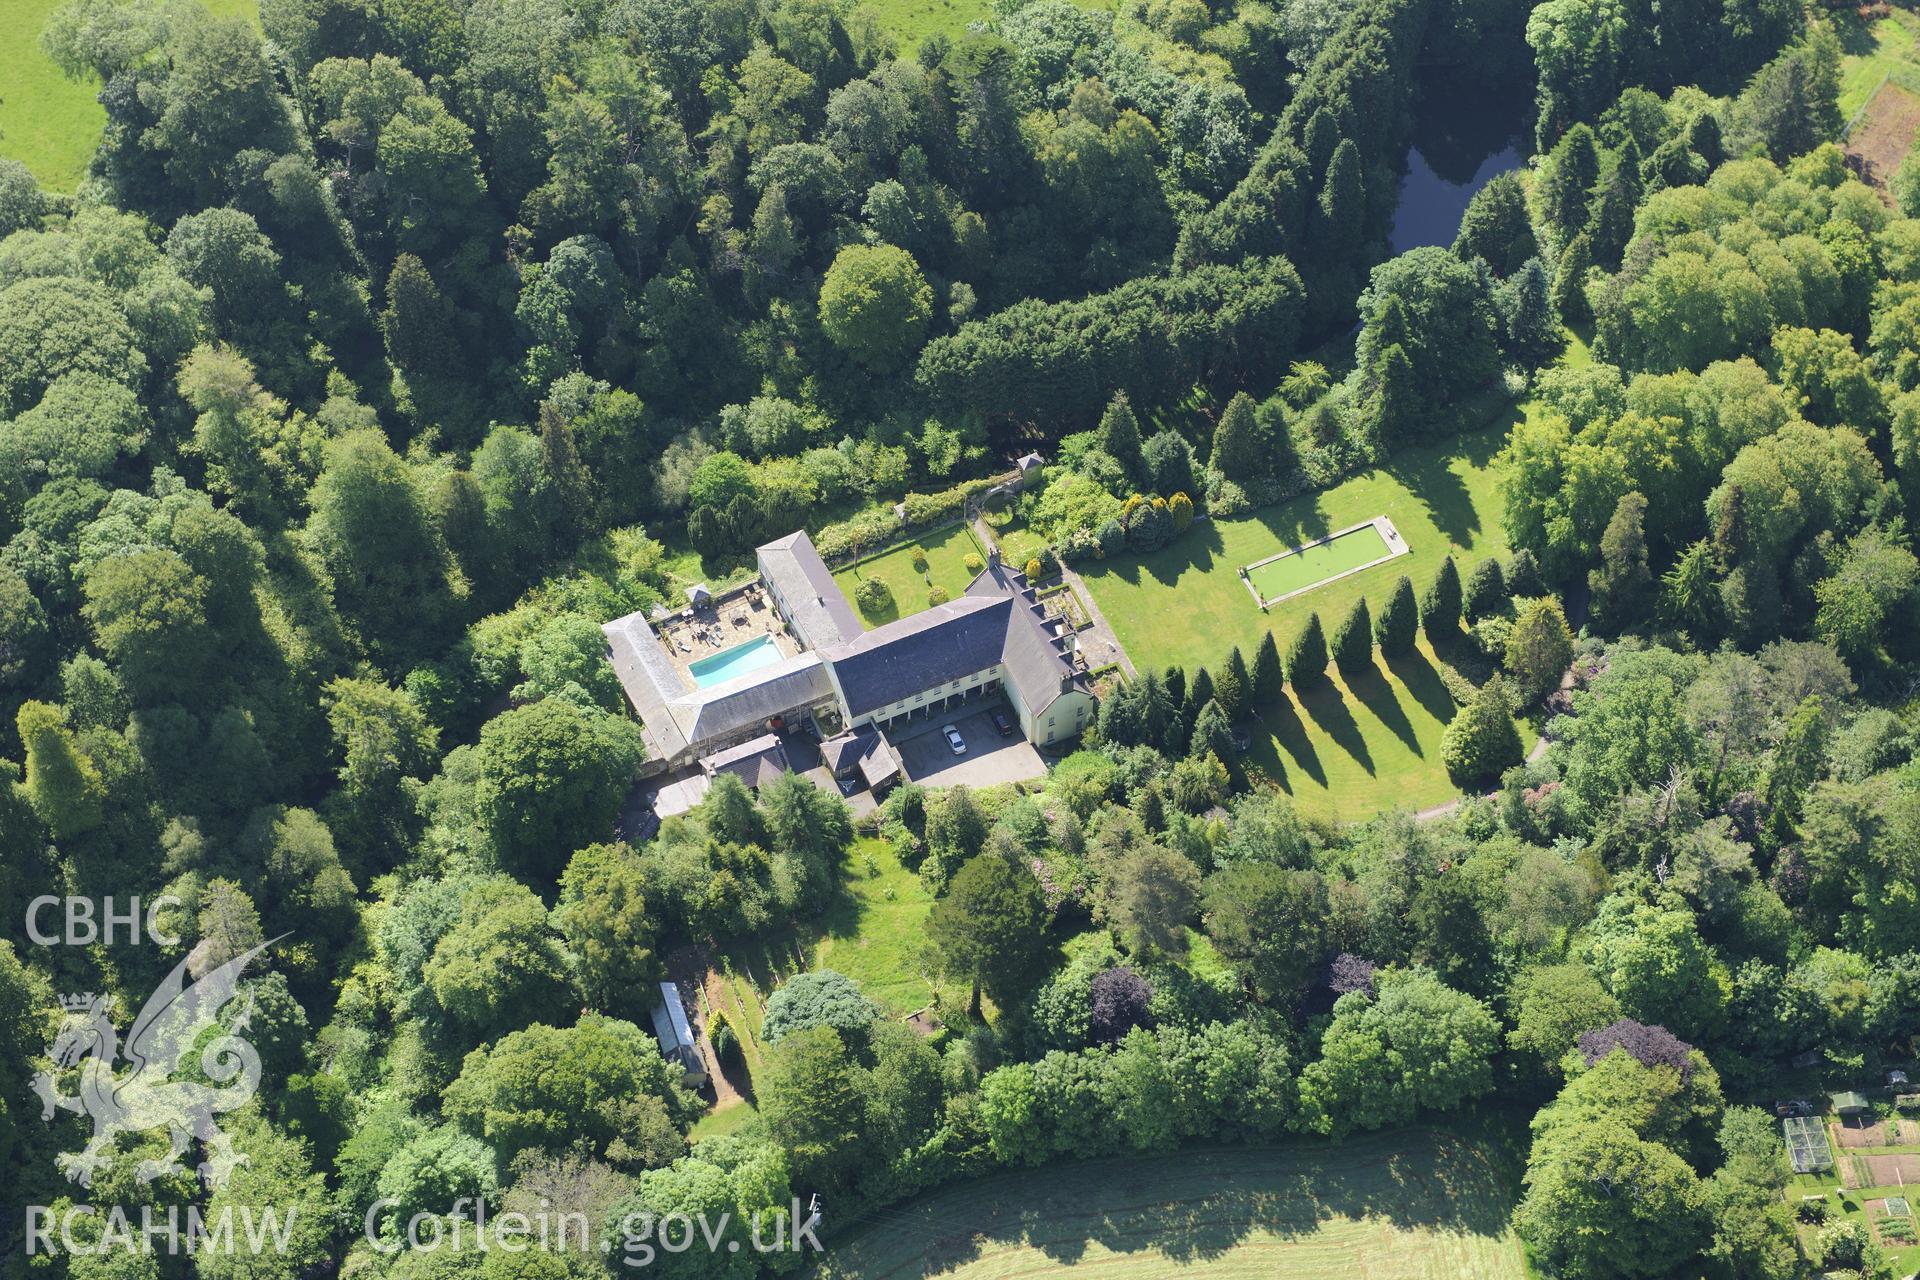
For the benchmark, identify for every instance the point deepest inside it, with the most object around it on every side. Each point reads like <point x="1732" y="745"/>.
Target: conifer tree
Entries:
<point x="1529" y="332"/>
<point x="1353" y="640"/>
<point x="1199" y="694"/>
<point x="1621" y="584"/>
<point x="1307" y="655"/>
<point x="1236" y="441"/>
<point x="1267" y="675"/>
<point x="1486" y="590"/>
<point x="1440" y="607"/>
<point x="1340" y="211"/>
<point x="1398" y="620"/>
<point x="1120" y="437"/>
<point x="1614" y="203"/>
<point x="1481" y="742"/>
<point x="1572" y="169"/>
<point x="1570" y="280"/>
<point x="1233" y="690"/>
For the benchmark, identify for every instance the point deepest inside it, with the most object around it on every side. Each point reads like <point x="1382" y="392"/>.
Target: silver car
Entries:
<point x="954" y="740"/>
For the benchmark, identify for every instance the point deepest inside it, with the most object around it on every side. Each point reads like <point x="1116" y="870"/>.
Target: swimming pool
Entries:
<point x="731" y="664"/>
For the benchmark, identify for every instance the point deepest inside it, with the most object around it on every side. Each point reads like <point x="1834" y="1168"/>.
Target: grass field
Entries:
<point x="877" y="932"/>
<point x="1317" y="563"/>
<point x="1880" y="49"/>
<point x="946" y="550"/>
<point x="48" y="122"/>
<point x="1348" y="748"/>
<point x="912" y="21"/>
<point x="1412" y="1205"/>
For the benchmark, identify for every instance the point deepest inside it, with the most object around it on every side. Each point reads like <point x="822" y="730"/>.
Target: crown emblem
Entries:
<point x="78" y="1003"/>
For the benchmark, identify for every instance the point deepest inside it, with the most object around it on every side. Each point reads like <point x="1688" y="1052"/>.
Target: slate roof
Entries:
<point x="815" y="604"/>
<point x="864" y="749"/>
<point x="997" y="621"/>
<point x="1039" y="663"/>
<point x="842" y="752"/>
<point x="651" y="680"/>
<point x="755" y="762"/>
<point x="920" y="653"/>
<point x="757" y="696"/>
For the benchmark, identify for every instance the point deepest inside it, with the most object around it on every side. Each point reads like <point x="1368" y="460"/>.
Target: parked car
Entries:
<point x="954" y="740"/>
<point x="1003" y="722"/>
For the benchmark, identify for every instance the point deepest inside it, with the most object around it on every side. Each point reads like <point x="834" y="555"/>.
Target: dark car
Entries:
<point x="1003" y="722"/>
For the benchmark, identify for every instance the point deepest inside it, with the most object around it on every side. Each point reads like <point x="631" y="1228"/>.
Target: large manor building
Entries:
<point x="813" y="659"/>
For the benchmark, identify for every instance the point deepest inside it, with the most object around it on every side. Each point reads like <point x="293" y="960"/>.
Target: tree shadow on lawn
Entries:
<point x="1203" y="548"/>
<point x="1197" y="1205"/>
<point x="1286" y="735"/>
<point x="1327" y="706"/>
<point x="1427" y="473"/>
<point x="1198" y="548"/>
<point x="1376" y="695"/>
<point x="1424" y="683"/>
<point x="1293" y="528"/>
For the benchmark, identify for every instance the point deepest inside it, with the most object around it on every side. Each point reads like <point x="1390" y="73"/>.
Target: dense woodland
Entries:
<point x="382" y="358"/>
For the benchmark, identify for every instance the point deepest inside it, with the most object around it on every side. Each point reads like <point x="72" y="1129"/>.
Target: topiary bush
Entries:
<point x="919" y="560"/>
<point x="973" y="562"/>
<point x="873" y="596"/>
<point x="1032" y="569"/>
<point x="939" y="595"/>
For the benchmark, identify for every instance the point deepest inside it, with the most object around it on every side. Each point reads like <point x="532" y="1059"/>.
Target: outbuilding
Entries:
<point x="675" y="1034"/>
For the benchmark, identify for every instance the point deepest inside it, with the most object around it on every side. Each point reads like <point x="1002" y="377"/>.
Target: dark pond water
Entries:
<point x="1462" y="138"/>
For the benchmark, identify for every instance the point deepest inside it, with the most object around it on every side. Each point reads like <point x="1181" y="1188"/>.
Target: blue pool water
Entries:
<point x="731" y="664"/>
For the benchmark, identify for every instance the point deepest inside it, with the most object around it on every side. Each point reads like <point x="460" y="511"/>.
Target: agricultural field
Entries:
<point x="1884" y="133"/>
<point x="1410" y="1205"/>
<point x="1345" y="749"/>
<point x="946" y="552"/>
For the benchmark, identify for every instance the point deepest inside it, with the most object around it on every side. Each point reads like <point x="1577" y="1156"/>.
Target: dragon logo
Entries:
<point x="173" y="1024"/>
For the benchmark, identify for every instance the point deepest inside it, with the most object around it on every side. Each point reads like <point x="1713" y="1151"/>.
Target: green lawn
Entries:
<point x="912" y="21"/>
<point x="1348" y="748"/>
<point x="946" y="551"/>
<point x="717" y="1124"/>
<point x="874" y="931"/>
<point x="1412" y="1205"/>
<point x="1875" y="50"/>
<point x="877" y="932"/>
<point x="48" y="122"/>
<point x="1317" y="563"/>
<point x="1019" y="544"/>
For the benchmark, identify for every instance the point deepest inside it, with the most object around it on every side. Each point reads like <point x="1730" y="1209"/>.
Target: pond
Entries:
<point x="1462" y="139"/>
